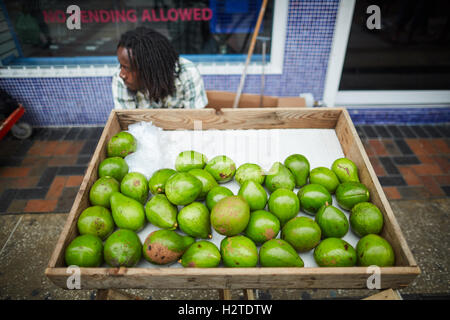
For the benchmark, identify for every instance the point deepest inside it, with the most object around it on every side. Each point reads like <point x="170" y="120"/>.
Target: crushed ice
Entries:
<point x="149" y="155"/>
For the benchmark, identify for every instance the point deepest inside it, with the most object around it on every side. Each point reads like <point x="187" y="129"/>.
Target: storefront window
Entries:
<point x="409" y="51"/>
<point x="204" y="30"/>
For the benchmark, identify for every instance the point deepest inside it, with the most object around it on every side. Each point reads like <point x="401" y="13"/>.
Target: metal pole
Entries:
<point x="250" y="52"/>
<point x="262" y="73"/>
<point x="264" y="49"/>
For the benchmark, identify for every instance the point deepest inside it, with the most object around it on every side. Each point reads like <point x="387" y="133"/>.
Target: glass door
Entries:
<point x="397" y="53"/>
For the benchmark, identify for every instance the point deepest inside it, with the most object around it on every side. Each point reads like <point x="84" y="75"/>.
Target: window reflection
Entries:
<point x="411" y="51"/>
<point x="200" y="27"/>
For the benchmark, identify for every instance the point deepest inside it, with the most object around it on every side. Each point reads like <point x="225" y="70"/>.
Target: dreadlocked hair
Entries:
<point x="155" y="60"/>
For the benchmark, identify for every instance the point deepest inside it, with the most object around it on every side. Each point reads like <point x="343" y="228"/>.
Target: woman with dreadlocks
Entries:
<point x="152" y="74"/>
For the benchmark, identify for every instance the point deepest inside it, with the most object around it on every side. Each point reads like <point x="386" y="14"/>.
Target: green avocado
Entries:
<point x="201" y="254"/>
<point x="335" y="252"/>
<point x="351" y="193"/>
<point x="84" y="251"/>
<point x="161" y="213"/>
<point x="279" y="177"/>
<point x="135" y="185"/>
<point x="238" y="251"/>
<point x="127" y="213"/>
<point x="121" y="145"/>
<point x="123" y="248"/>
<point x="221" y="168"/>
<point x="101" y="191"/>
<point x="299" y="166"/>
<point x="284" y="204"/>
<point x="165" y="246"/>
<point x="312" y="197"/>
<point x="374" y="250"/>
<point x="249" y="171"/>
<point x="157" y="181"/>
<point x="262" y="226"/>
<point x="207" y="180"/>
<point x="332" y="222"/>
<point x="366" y="218"/>
<point x="302" y="233"/>
<point x="278" y="253"/>
<point x="115" y="167"/>
<point x="216" y="194"/>
<point x="345" y="170"/>
<point x="230" y="215"/>
<point x="188" y="160"/>
<point x="194" y="220"/>
<point x="97" y="221"/>
<point x="254" y="194"/>
<point x="183" y="188"/>
<point x="324" y="177"/>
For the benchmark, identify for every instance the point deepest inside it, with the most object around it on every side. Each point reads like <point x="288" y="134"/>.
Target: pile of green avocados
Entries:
<point x="119" y="209"/>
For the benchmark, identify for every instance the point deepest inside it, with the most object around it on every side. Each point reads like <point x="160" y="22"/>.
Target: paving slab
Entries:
<point x="7" y="225"/>
<point x="25" y="256"/>
<point x="27" y="241"/>
<point x="425" y="225"/>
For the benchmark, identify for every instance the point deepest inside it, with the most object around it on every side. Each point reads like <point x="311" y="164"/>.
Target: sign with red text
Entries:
<point x="132" y="15"/>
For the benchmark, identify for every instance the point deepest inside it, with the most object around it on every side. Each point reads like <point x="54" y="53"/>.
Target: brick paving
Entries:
<point x="411" y="162"/>
<point x="43" y="173"/>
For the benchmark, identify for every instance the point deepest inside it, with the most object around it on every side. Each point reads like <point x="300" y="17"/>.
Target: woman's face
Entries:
<point x="129" y="76"/>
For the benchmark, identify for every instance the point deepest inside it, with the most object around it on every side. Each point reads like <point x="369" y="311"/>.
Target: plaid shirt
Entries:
<point x="189" y="91"/>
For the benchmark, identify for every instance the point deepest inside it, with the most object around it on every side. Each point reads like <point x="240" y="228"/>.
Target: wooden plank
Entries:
<point x="251" y="118"/>
<point x="388" y="294"/>
<point x="249" y="294"/>
<point x="81" y="201"/>
<point x="225" y="294"/>
<point x="168" y="119"/>
<point x="224" y="99"/>
<point x="280" y="118"/>
<point x="354" y="150"/>
<point x="234" y="278"/>
<point x="291" y="102"/>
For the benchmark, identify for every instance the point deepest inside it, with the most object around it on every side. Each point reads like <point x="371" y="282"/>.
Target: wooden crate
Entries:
<point x="398" y="276"/>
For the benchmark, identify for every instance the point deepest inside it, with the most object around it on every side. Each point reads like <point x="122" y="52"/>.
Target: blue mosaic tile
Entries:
<point x="310" y="27"/>
<point x="400" y="115"/>
<point x="62" y="101"/>
<point x="79" y="101"/>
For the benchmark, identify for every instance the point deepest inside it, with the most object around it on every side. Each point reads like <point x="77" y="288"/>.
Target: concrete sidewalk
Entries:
<point x="27" y="241"/>
<point x="40" y="177"/>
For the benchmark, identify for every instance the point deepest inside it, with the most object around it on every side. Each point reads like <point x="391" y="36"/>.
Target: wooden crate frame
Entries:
<point x="398" y="276"/>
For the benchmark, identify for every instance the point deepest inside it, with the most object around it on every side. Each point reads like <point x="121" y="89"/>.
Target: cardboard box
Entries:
<point x="224" y="99"/>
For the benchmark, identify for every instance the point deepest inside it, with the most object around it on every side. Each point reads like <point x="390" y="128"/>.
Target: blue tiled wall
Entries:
<point x="80" y="101"/>
<point x="400" y="115"/>
<point x="62" y="101"/>
<point x="309" y="36"/>
<point x="310" y="25"/>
